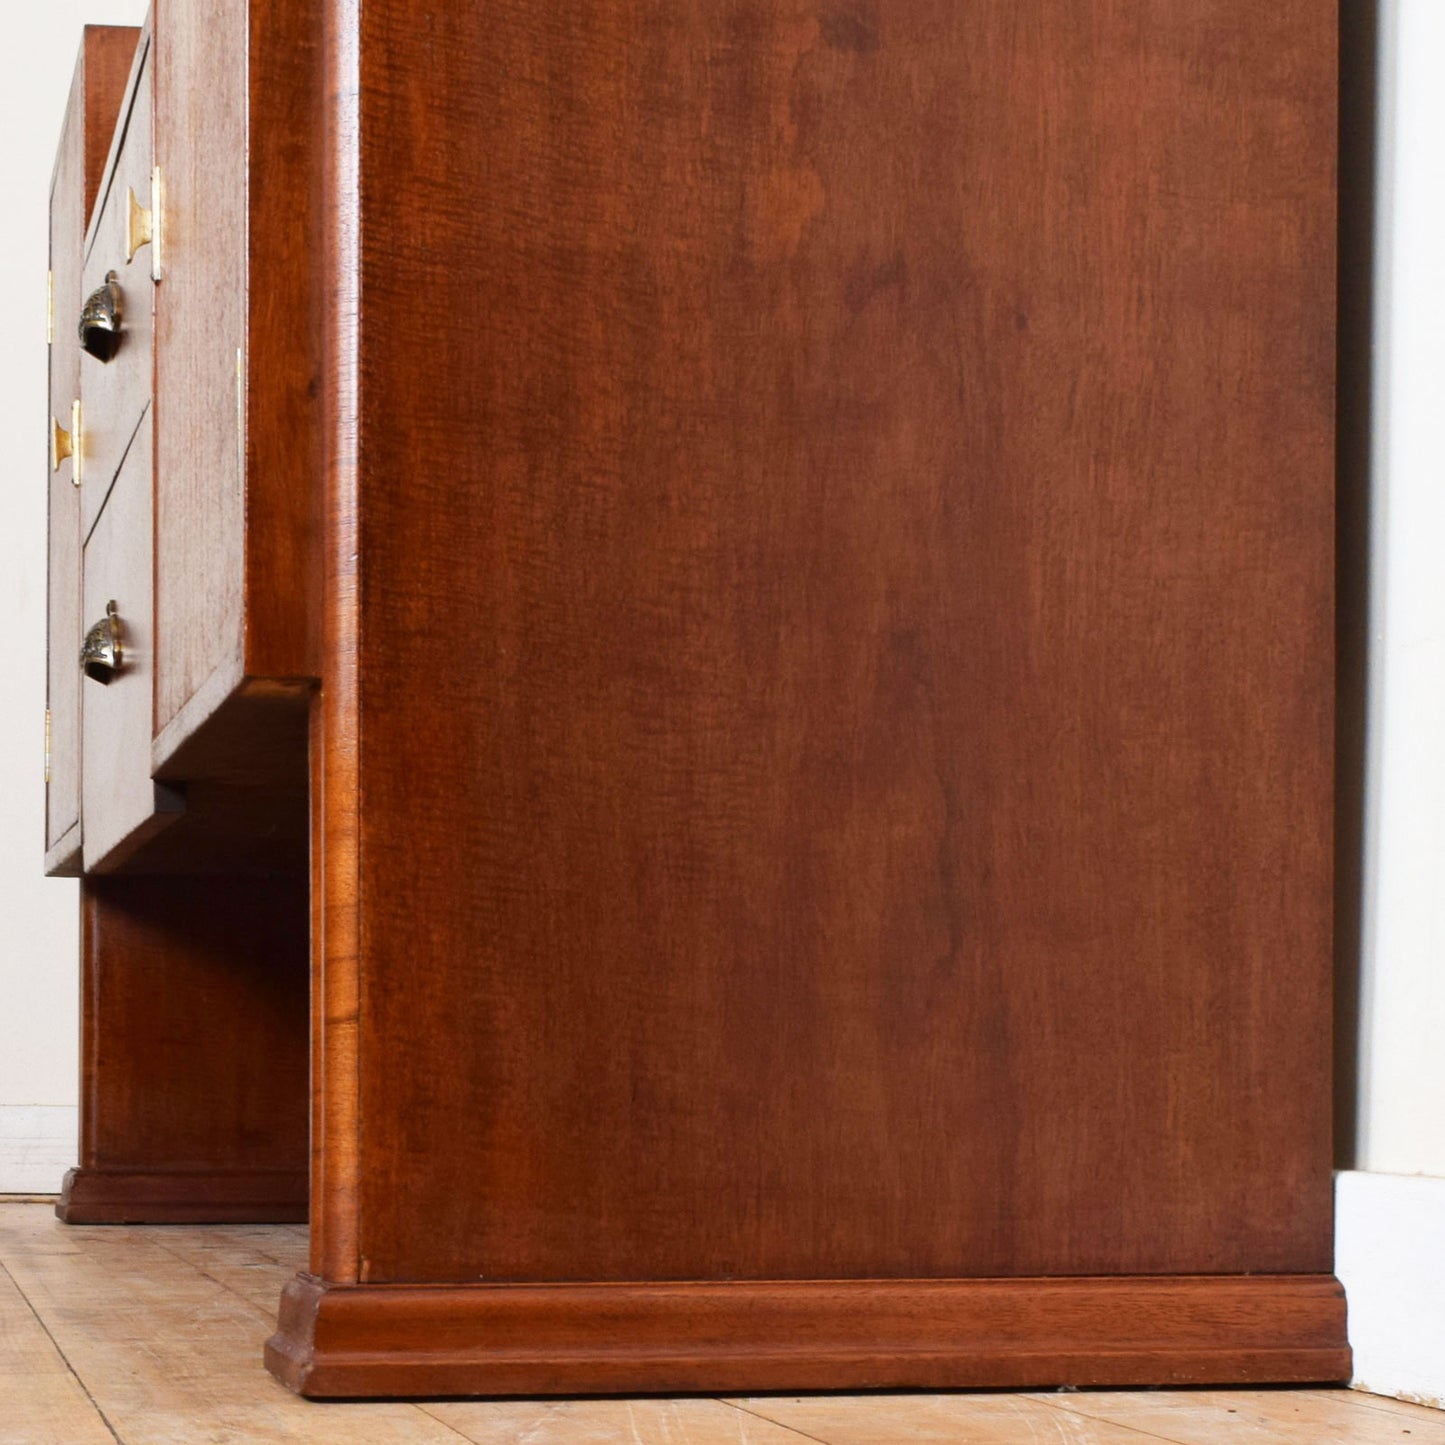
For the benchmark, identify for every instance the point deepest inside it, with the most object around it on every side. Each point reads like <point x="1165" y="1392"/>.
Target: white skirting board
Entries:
<point x="1390" y="1256"/>
<point x="37" y="1146"/>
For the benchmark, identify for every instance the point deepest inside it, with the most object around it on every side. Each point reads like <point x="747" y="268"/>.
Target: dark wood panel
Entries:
<point x="845" y="640"/>
<point x="96" y="95"/>
<point x="193" y="1046"/>
<point x="108" y="56"/>
<point x="183" y="1196"/>
<point x="283" y="437"/>
<point x="469" y="1339"/>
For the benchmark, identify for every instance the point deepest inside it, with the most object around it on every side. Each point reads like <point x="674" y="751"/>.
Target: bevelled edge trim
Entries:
<point x="183" y="1196"/>
<point x="339" y="1341"/>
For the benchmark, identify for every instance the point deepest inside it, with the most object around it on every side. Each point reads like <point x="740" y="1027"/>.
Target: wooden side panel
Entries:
<point x="238" y="445"/>
<point x="200" y="339"/>
<point x="845" y="639"/>
<point x="95" y="100"/>
<point x="193" y="1050"/>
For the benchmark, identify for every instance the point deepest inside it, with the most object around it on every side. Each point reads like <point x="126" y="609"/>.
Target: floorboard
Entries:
<point x="152" y="1336"/>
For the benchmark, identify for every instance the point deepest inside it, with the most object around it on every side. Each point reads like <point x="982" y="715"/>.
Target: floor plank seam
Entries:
<point x="268" y="1315"/>
<point x="1076" y="1414"/>
<point x="1388" y="1404"/>
<point x="421" y="1409"/>
<point x="65" y="1359"/>
<point x="768" y="1420"/>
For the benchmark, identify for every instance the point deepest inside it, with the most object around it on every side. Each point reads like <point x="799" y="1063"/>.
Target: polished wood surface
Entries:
<point x="144" y="1327"/>
<point x="842" y="651"/>
<point x="237" y="435"/>
<point x="107" y="61"/>
<point x="336" y="923"/>
<point x="193" y="1051"/>
<point x="352" y="1340"/>
<point x="96" y="95"/>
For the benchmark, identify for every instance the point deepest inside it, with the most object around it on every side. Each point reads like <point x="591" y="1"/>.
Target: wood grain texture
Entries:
<point x="282" y="406"/>
<point x="183" y="1196"/>
<point x="351" y="1340"/>
<point x="844" y="642"/>
<point x="167" y="1352"/>
<point x="336" y="917"/>
<point x="96" y="95"/>
<point x="40" y="1397"/>
<point x="244" y="776"/>
<point x="1239" y="1417"/>
<point x="200" y="335"/>
<point x="108" y="57"/>
<point x="122" y="804"/>
<point x="117" y="393"/>
<point x="193" y="1050"/>
<point x="1290" y="1417"/>
<point x="238" y="439"/>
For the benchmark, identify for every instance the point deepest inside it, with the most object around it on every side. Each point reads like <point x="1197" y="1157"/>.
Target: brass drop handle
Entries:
<point x="65" y="443"/>
<point x="102" y="654"/>
<point x="100" y="320"/>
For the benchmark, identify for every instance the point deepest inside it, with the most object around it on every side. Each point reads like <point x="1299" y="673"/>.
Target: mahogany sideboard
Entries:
<point x="692" y="681"/>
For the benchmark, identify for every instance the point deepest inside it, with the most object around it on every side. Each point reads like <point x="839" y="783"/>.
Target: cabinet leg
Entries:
<point x="194" y="1051"/>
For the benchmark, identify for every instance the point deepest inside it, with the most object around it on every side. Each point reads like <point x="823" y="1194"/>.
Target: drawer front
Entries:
<point x="121" y="805"/>
<point x="115" y="389"/>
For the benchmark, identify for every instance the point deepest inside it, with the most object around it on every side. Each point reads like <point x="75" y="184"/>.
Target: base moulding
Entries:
<point x="138" y="1196"/>
<point x="745" y="1336"/>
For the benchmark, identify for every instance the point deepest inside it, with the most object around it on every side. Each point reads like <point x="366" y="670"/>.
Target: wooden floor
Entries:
<point x="153" y="1337"/>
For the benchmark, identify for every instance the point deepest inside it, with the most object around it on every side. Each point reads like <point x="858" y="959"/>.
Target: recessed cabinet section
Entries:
<point x="116" y="324"/>
<point x="182" y="421"/>
<point x="123" y="806"/>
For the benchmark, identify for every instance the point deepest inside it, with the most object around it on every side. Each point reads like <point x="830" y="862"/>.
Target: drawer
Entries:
<point x="116" y="385"/>
<point x="121" y="806"/>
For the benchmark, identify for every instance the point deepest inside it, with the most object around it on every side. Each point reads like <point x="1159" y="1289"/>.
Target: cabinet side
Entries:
<point x="236" y="369"/>
<point x="846" y="578"/>
<point x="200" y="140"/>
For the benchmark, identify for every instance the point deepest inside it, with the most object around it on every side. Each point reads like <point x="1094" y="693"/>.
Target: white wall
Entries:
<point x="37" y="916"/>
<point x="1401" y="1121"/>
<point x="1390" y="1222"/>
